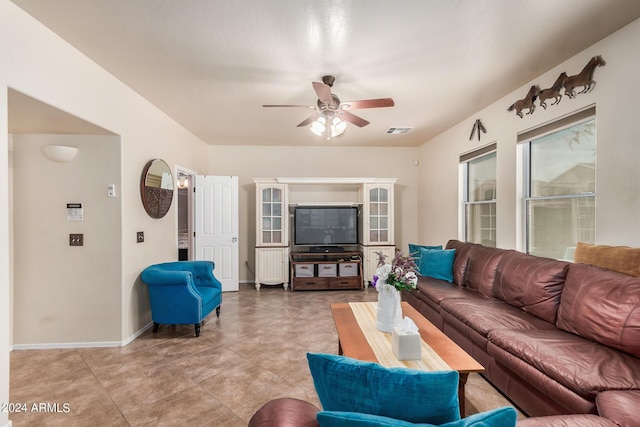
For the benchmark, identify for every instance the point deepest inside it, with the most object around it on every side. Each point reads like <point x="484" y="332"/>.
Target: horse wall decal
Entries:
<point x="584" y="79"/>
<point x="553" y="91"/>
<point x="526" y="102"/>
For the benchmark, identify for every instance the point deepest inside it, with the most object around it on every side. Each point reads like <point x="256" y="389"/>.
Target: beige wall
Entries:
<point x="617" y="100"/>
<point x="5" y="288"/>
<point x="10" y="234"/>
<point x="248" y="162"/>
<point x="62" y="293"/>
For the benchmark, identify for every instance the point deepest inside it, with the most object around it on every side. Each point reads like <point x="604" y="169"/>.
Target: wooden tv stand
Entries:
<point x="315" y="271"/>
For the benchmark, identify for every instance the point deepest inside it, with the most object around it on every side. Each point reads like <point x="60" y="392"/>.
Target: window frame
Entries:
<point x="525" y="139"/>
<point x="465" y="160"/>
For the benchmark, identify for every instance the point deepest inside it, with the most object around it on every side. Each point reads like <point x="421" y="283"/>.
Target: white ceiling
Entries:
<point x="211" y="64"/>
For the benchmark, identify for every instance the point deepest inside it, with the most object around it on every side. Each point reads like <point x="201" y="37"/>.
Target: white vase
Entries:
<point x="389" y="313"/>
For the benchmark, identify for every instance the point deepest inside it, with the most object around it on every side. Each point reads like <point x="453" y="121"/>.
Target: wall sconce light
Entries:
<point x="59" y="153"/>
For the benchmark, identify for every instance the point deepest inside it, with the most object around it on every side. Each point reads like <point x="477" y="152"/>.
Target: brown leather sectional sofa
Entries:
<point x="561" y="340"/>
<point x="555" y="337"/>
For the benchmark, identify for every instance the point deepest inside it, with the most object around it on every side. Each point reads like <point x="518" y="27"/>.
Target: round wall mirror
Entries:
<point x="156" y="188"/>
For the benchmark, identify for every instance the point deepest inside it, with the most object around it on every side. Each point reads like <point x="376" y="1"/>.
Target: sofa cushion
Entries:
<point x="481" y="269"/>
<point x="435" y="290"/>
<point x="414" y="251"/>
<point x="349" y="385"/>
<point x="500" y="417"/>
<point x="576" y="420"/>
<point x="485" y="314"/>
<point x="622" y="259"/>
<point x="603" y="306"/>
<point x="531" y="283"/>
<point x="581" y="365"/>
<point x="461" y="260"/>
<point x="620" y="406"/>
<point x="437" y="263"/>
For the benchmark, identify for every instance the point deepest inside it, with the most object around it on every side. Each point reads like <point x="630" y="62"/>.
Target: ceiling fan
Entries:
<point x="329" y="109"/>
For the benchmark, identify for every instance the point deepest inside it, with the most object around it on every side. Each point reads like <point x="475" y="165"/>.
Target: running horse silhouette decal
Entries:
<point x="526" y="102"/>
<point x="584" y="79"/>
<point x="553" y="91"/>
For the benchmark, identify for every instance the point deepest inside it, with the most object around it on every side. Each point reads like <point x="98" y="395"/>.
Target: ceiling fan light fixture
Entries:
<point x="318" y="126"/>
<point x="328" y="107"/>
<point x="338" y="127"/>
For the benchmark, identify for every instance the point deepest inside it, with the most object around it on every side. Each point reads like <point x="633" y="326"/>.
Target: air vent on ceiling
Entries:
<point x="398" y="130"/>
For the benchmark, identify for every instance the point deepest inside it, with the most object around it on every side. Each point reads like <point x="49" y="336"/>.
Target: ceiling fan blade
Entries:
<point x="288" y="105"/>
<point x="367" y="103"/>
<point x="352" y="118"/>
<point x="308" y="120"/>
<point x="324" y="93"/>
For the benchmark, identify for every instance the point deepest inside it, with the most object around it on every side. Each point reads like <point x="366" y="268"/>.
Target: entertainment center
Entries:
<point x="337" y="227"/>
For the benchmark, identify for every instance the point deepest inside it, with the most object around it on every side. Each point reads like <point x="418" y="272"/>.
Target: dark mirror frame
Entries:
<point x="156" y="199"/>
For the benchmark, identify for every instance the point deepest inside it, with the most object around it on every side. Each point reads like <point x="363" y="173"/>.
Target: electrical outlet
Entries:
<point x="76" y="239"/>
<point x="140" y="236"/>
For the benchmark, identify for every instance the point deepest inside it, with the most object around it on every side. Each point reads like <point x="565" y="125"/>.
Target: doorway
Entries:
<point x="184" y="185"/>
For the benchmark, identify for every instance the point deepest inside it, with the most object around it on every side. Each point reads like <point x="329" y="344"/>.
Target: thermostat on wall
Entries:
<point x="75" y="212"/>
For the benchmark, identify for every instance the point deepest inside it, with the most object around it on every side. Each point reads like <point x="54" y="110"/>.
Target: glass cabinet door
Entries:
<point x="378" y="215"/>
<point x="272" y="219"/>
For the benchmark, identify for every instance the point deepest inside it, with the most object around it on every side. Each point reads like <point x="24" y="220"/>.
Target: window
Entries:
<point x="560" y="188"/>
<point x="480" y="196"/>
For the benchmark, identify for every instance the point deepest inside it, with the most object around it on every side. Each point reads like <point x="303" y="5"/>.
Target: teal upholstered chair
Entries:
<point x="182" y="292"/>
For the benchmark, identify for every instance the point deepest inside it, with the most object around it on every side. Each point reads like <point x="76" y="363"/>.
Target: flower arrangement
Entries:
<point x="400" y="274"/>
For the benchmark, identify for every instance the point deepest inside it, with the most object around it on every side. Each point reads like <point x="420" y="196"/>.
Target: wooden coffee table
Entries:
<point x="353" y="343"/>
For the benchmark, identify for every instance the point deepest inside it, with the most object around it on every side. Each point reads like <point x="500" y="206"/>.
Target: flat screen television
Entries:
<point x="325" y="225"/>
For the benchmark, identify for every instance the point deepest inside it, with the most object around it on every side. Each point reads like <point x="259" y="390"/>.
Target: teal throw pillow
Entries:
<point x="357" y="419"/>
<point x="349" y="385"/>
<point x="414" y="251"/>
<point x="437" y="263"/>
<point x="501" y="417"/>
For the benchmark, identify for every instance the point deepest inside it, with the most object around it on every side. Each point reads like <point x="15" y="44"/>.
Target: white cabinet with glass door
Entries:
<point x="272" y="233"/>
<point x="377" y="207"/>
<point x="377" y="223"/>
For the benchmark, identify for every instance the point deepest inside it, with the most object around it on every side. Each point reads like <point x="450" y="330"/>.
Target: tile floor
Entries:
<point x="254" y="352"/>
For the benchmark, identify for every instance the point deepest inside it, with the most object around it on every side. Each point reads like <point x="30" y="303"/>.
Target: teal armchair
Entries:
<point x="182" y="292"/>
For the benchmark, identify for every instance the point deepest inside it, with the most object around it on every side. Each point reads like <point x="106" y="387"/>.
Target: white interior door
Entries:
<point x="216" y="226"/>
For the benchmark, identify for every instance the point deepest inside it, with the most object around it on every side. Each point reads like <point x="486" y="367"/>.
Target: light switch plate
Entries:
<point x="140" y="236"/>
<point x="76" y="239"/>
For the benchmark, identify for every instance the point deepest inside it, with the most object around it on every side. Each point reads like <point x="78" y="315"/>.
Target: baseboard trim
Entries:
<point x="136" y="335"/>
<point x="58" y="345"/>
<point x="52" y="346"/>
